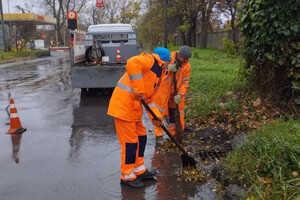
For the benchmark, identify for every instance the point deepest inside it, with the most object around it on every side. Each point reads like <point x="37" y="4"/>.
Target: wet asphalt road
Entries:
<point x="70" y="149"/>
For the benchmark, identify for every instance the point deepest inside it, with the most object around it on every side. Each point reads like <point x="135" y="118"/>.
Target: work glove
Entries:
<point x="172" y="67"/>
<point x="177" y="98"/>
<point x="138" y="96"/>
<point x="157" y="122"/>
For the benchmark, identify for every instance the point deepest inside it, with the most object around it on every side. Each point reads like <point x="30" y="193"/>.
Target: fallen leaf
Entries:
<point x="257" y="102"/>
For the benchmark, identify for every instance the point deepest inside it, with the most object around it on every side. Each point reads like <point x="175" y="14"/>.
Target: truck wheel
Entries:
<point x="89" y="56"/>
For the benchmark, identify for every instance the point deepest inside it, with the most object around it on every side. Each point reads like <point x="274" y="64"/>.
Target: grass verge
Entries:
<point x="217" y="97"/>
<point x="11" y="56"/>
<point x="19" y="54"/>
<point x="269" y="163"/>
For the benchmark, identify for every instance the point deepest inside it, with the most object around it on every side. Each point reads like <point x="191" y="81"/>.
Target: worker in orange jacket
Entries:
<point x="181" y="59"/>
<point x="141" y="80"/>
<point x="161" y="99"/>
<point x="166" y="98"/>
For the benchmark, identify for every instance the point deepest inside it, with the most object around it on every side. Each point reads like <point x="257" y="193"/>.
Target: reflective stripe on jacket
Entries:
<point x="143" y="75"/>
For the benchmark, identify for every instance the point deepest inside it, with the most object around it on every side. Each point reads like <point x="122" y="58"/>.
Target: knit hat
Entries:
<point x="185" y="52"/>
<point x="163" y="53"/>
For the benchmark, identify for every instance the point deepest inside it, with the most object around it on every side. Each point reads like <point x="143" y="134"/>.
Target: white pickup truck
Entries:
<point x="98" y="57"/>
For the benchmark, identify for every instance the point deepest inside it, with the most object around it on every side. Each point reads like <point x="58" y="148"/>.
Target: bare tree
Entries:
<point x="206" y="11"/>
<point x="111" y="10"/>
<point x="232" y="7"/>
<point x="58" y="9"/>
<point x="27" y="8"/>
<point x="189" y="14"/>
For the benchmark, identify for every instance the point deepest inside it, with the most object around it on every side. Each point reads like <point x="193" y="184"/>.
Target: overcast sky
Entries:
<point x="12" y="4"/>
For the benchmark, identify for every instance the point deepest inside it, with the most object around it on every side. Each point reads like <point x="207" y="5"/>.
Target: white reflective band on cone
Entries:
<point x="12" y="106"/>
<point x="13" y="115"/>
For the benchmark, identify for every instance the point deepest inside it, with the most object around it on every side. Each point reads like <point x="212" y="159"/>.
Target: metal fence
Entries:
<point x="214" y="40"/>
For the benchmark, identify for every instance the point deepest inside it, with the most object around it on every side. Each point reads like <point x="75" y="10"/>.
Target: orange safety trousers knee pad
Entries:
<point x="132" y="138"/>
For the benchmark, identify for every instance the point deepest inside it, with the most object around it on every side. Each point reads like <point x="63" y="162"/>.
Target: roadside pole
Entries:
<point x="2" y="23"/>
<point x="166" y="25"/>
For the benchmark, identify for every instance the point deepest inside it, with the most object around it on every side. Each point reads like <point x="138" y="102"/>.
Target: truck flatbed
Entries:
<point x="103" y="76"/>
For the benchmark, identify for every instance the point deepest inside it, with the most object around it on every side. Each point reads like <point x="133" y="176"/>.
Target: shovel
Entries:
<point x="185" y="158"/>
<point x="178" y="128"/>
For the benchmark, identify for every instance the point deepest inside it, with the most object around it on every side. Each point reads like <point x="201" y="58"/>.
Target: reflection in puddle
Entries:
<point x="16" y="142"/>
<point x="168" y="184"/>
<point x="90" y="122"/>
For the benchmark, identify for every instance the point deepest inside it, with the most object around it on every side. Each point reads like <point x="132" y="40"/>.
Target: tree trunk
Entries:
<point x="183" y="38"/>
<point x="234" y="39"/>
<point x="203" y="37"/>
<point x="189" y="37"/>
<point x="193" y="33"/>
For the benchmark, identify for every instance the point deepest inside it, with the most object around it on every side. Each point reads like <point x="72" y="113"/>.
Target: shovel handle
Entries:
<point x="163" y="127"/>
<point x="177" y="107"/>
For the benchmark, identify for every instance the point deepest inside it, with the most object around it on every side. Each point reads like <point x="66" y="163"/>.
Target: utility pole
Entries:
<point x="9" y="27"/>
<point x="2" y="23"/>
<point x="166" y="25"/>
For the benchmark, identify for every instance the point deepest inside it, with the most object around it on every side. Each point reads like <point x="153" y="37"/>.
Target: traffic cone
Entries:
<point x="16" y="140"/>
<point x="15" y="124"/>
<point x="118" y="59"/>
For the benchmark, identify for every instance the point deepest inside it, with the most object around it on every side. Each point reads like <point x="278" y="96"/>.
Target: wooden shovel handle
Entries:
<point x="163" y="127"/>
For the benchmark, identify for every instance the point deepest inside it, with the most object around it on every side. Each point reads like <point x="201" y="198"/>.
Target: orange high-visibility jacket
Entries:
<point x="182" y="79"/>
<point x="143" y="75"/>
<point x="162" y="96"/>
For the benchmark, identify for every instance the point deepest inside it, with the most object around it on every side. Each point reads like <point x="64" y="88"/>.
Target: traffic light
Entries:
<point x="72" y="20"/>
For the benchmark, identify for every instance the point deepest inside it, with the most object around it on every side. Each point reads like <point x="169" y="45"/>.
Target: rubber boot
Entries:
<point x="147" y="174"/>
<point x="134" y="183"/>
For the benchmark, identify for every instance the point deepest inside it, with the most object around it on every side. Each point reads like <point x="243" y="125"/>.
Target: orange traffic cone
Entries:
<point x="16" y="140"/>
<point x="118" y="59"/>
<point x="15" y="124"/>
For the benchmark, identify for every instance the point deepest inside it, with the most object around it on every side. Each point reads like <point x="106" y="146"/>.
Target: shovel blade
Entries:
<point x="188" y="161"/>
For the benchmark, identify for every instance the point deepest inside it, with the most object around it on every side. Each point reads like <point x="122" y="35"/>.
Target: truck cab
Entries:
<point x="98" y="57"/>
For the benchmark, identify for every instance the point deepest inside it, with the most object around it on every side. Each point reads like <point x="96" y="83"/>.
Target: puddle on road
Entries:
<point x="34" y="75"/>
<point x="91" y="126"/>
<point x="90" y="122"/>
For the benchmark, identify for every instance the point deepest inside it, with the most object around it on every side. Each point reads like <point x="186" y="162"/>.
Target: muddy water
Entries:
<point x="70" y="149"/>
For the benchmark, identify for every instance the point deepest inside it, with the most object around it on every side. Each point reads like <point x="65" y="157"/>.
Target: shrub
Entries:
<point x="229" y="46"/>
<point x="272" y="35"/>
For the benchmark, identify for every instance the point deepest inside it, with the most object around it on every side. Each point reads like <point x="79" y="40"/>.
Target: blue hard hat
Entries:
<point x="163" y="53"/>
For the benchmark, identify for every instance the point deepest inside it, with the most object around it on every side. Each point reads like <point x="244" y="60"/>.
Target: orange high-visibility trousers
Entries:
<point x="132" y="138"/>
